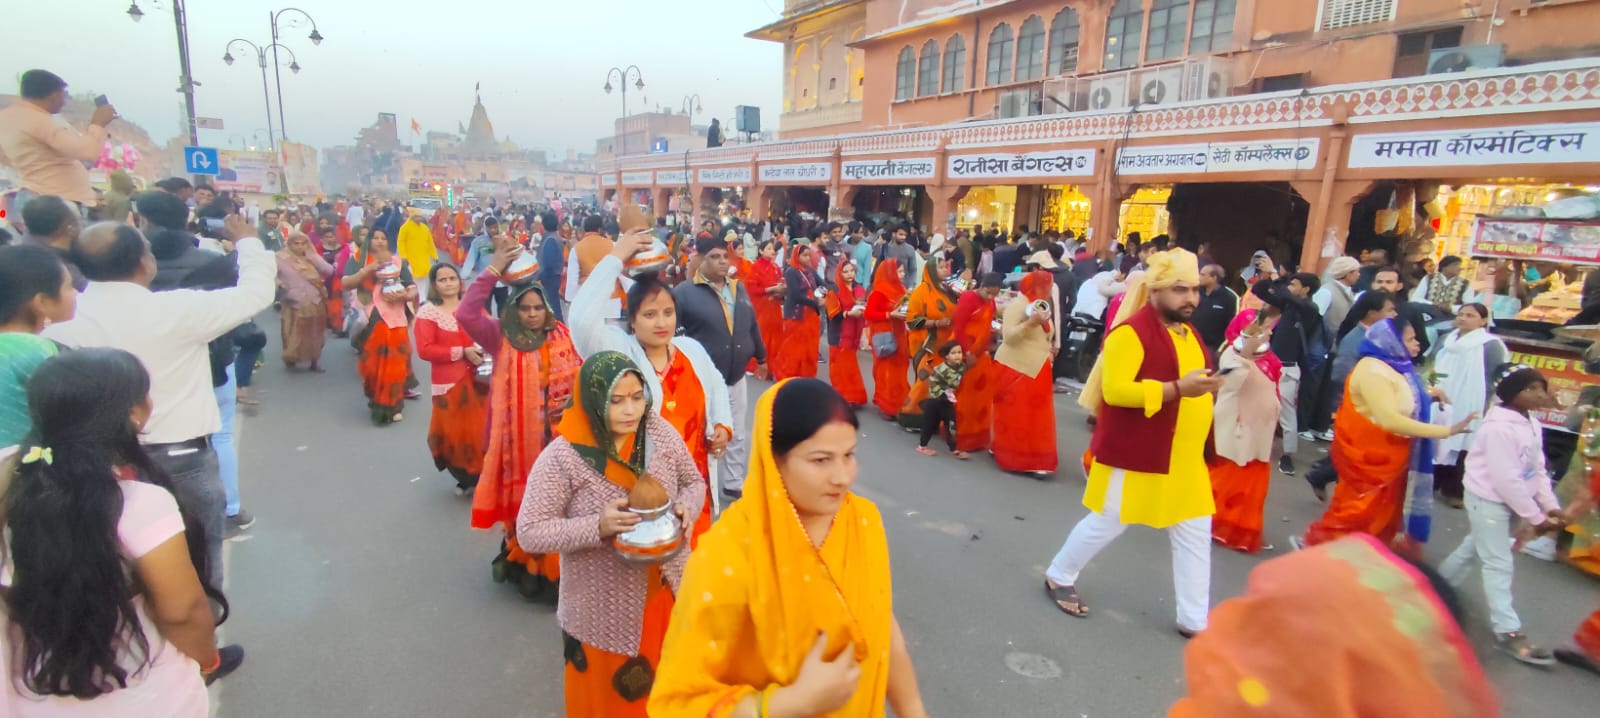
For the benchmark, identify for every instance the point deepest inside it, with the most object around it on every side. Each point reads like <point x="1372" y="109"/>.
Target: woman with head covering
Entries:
<point x="802" y="324"/>
<point x="765" y="283"/>
<point x="1245" y="418"/>
<point x="337" y="254"/>
<point x="930" y="313"/>
<point x="460" y="400"/>
<point x="385" y="342"/>
<point x="613" y="612"/>
<point x="1025" y="432"/>
<point x="974" y="328"/>
<point x="1383" y="444"/>
<point x="886" y="333"/>
<point x="1391" y="628"/>
<point x="690" y="393"/>
<point x="303" y="275"/>
<point x="787" y="605"/>
<point x="846" y="306"/>
<point x="1464" y="362"/>
<point x="535" y="365"/>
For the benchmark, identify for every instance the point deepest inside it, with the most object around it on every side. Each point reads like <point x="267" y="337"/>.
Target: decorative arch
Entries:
<point x="905" y="74"/>
<point x="1063" y="46"/>
<point x="1030" y="49"/>
<point x="954" y="77"/>
<point x="928" y="69"/>
<point x="997" y="69"/>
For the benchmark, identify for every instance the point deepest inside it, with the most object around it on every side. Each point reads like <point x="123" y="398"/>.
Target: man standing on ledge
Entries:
<point x="1151" y="391"/>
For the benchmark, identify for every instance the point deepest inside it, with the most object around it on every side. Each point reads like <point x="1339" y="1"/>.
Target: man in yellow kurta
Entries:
<point x="1152" y="393"/>
<point x="415" y="245"/>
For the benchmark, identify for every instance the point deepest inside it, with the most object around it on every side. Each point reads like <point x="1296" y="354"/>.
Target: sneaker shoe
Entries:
<point x="241" y="521"/>
<point x="1286" y="465"/>
<point x="232" y="658"/>
<point x="1542" y="548"/>
<point x="1326" y="436"/>
<point x="1308" y="435"/>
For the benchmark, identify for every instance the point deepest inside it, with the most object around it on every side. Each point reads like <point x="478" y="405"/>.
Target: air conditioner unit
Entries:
<point x="1207" y="78"/>
<point x="1161" y="86"/>
<point x="1108" y="92"/>
<point x="1458" y="59"/>
<point x="1018" y="103"/>
<point x="1063" y="94"/>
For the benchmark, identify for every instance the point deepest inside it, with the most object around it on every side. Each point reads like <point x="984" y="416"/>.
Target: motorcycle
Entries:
<point x="1084" y="334"/>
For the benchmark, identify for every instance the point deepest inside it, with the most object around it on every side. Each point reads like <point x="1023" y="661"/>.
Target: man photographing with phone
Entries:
<point x="46" y="153"/>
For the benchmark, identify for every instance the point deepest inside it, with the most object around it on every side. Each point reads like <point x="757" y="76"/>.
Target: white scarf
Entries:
<point x="1462" y="376"/>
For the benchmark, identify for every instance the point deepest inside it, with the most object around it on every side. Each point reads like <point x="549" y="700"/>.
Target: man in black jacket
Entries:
<point x="714" y="309"/>
<point x="1300" y="342"/>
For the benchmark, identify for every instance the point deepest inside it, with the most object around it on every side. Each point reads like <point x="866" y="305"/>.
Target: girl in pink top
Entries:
<point x="140" y="641"/>
<point x="1506" y="486"/>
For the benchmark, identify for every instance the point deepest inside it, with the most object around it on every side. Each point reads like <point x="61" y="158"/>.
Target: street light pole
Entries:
<point x="691" y="104"/>
<point x="261" y="60"/>
<point x="316" y="39"/>
<point x="622" y="75"/>
<point x="186" y="81"/>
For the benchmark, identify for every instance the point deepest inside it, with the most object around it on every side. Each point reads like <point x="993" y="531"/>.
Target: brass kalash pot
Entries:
<point x="659" y="534"/>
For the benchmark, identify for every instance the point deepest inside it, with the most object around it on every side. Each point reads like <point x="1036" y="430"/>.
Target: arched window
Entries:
<point x="928" y="69"/>
<point x="905" y="73"/>
<point x="1169" y="27"/>
<point x="1123" y="29"/>
<point x="955" y="65"/>
<point x="1063" y="49"/>
<point x="1030" y="50"/>
<point x="998" y="68"/>
<point x="1213" y="26"/>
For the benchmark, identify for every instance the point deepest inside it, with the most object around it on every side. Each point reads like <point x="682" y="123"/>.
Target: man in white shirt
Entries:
<point x="355" y="214"/>
<point x="1335" y="297"/>
<point x="169" y="332"/>
<point x="1095" y="295"/>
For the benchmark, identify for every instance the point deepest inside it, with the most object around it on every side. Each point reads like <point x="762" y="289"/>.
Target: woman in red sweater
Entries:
<point x="456" y="433"/>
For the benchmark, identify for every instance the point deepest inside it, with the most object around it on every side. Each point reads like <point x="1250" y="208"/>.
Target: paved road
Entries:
<point x="361" y="591"/>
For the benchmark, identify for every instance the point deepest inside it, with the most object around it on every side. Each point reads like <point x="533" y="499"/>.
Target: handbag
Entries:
<point x="884" y="344"/>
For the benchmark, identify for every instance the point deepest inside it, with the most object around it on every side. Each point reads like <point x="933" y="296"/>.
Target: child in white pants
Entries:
<point x="1505" y="481"/>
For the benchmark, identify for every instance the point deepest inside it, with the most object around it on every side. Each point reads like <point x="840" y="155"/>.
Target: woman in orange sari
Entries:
<point x="535" y="365"/>
<point x="385" y="342"/>
<point x="1381" y="426"/>
<point x="613" y="612"/>
<point x="930" y="313"/>
<point x="1025" y="432"/>
<point x="886" y="331"/>
<point x="765" y="283"/>
<point x="1246" y="415"/>
<point x="795" y="576"/>
<point x="1395" y="640"/>
<point x="800" y="346"/>
<point x="456" y="431"/>
<point x="974" y="328"/>
<point x="846" y="305"/>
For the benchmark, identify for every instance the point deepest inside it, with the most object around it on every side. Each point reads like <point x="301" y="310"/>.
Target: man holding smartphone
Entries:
<point x="46" y="153"/>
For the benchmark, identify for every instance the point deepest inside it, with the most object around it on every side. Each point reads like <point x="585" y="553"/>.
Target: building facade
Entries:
<point x="1226" y="121"/>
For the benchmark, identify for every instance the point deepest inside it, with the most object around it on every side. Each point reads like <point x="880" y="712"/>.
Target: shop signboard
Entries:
<point x="1212" y="157"/>
<point x="607" y="180"/>
<point x="909" y="168"/>
<point x="797" y="173"/>
<point x="1566" y="378"/>
<point x="725" y="176"/>
<point x="1531" y="144"/>
<point x="670" y="177"/>
<point x="1008" y="165"/>
<point x="637" y="179"/>
<point x="1539" y="240"/>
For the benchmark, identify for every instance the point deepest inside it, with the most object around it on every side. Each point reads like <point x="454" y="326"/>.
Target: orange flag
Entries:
<point x="415" y="128"/>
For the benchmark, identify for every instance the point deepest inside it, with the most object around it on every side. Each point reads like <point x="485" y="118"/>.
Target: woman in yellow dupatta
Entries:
<point x="786" y="606"/>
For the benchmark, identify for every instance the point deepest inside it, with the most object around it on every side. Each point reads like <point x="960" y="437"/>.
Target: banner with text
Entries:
<point x="635" y="179"/>
<point x="300" y="168"/>
<point x="725" y="176"/>
<point x="1540" y="240"/>
<point x="672" y="177"/>
<point x="608" y="180"/>
<point x="797" y="173"/>
<point x="914" y="168"/>
<point x="1566" y="378"/>
<point x="1004" y="165"/>
<point x="1534" y="144"/>
<point x="244" y="171"/>
<point x="1270" y="155"/>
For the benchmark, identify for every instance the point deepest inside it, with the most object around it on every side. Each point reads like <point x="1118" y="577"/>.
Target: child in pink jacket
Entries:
<point x="1505" y="482"/>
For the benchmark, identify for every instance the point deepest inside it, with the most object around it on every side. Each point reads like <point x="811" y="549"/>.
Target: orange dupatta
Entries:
<point x="757" y="592"/>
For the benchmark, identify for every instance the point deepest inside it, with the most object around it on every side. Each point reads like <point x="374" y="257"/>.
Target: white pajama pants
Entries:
<point x="1191" y="554"/>
<point x="736" y="459"/>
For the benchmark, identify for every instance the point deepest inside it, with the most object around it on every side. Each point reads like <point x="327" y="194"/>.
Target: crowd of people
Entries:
<point x="591" y="374"/>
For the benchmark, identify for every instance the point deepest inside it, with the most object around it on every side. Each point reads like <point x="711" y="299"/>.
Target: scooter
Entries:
<point x="1084" y="334"/>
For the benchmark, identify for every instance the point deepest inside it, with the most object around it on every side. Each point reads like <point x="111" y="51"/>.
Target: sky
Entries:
<point x="542" y="64"/>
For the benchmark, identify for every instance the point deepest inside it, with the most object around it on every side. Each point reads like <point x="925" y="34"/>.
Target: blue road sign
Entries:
<point x="200" y="160"/>
<point x="658" y="145"/>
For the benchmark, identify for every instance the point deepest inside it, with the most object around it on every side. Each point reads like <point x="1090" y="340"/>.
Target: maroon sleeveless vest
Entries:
<point x="1125" y="438"/>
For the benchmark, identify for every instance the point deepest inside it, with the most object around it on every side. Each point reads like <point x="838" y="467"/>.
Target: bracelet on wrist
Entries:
<point x="494" y="270"/>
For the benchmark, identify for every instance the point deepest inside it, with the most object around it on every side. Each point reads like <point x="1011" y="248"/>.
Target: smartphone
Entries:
<point x="212" y="224"/>
<point x="1226" y="371"/>
<point x="101" y="101"/>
